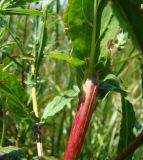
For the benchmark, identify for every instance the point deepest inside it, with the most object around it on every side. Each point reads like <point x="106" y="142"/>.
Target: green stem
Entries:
<point x="15" y="61"/>
<point x="93" y="43"/>
<point x="13" y="35"/>
<point x="57" y="26"/>
<point x="42" y="43"/>
<point x="4" y="127"/>
<point x="60" y="131"/>
<point x="24" y="40"/>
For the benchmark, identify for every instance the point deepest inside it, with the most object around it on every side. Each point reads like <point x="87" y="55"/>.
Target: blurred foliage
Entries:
<point x="36" y="32"/>
<point x="11" y="153"/>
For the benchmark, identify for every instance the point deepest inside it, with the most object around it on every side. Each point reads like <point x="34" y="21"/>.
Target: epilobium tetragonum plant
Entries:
<point x="49" y="60"/>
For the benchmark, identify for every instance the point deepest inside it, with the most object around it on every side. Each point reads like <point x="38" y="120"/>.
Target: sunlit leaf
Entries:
<point x="72" y="92"/>
<point x="19" y="11"/>
<point x="78" y="28"/>
<point x="13" y="3"/>
<point x="56" y="105"/>
<point x="71" y="60"/>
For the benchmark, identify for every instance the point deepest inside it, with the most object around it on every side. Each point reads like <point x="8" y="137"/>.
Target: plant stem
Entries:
<point x="132" y="146"/>
<point x="13" y="35"/>
<point x="4" y="127"/>
<point x="24" y="40"/>
<point x="60" y="131"/>
<point x="42" y="43"/>
<point x="93" y="43"/>
<point x="40" y="150"/>
<point x="34" y="98"/>
<point x="53" y="137"/>
<point x="35" y="109"/>
<point x="81" y="121"/>
<point x="85" y="109"/>
<point x="57" y="26"/>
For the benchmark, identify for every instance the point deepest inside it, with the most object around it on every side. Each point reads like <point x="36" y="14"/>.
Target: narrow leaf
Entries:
<point x="19" y="11"/>
<point x="16" y="96"/>
<point x="13" y="3"/>
<point x="71" y="60"/>
<point x="127" y="125"/>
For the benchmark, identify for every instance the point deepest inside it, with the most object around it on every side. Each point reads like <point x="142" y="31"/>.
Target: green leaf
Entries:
<point x="13" y="34"/>
<point x="131" y="18"/>
<point x="78" y="29"/>
<point x="11" y="152"/>
<point x="59" y="102"/>
<point x="56" y="105"/>
<point x="110" y="83"/>
<point x="79" y="20"/>
<point x="15" y="94"/>
<point x="72" y="92"/>
<point x="71" y="60"/>
<point x="138" y="155"/>
<point x="19" y="11"/>
<point x="15" y="3"/>
<point x="108" y="28"/>
<point x="42" y="39"/>
<point x="127" y="124"/>
<point x="52" y="158"/>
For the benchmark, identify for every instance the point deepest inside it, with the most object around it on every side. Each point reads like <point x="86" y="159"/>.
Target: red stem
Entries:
<point x="81" y="121"/>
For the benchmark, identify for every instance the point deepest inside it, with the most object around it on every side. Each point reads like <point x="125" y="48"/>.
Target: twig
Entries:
<point x="35" y="109"/>
<point x="132" y="146"/>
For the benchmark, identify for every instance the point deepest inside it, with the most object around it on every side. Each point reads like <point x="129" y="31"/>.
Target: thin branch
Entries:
<point x="132" y="146"/>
